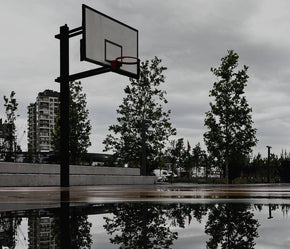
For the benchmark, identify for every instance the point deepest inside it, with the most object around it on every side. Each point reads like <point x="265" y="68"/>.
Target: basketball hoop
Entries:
<point x="126" y="60"/>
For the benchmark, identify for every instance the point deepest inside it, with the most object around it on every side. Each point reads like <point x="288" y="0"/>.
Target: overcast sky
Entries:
<point x="190" y="36"/>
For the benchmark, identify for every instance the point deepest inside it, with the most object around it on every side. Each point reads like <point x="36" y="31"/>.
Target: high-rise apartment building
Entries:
<point x="41" y="121"/>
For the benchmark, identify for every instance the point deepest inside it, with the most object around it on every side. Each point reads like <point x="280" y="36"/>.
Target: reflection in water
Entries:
<point x="270" y="212"/>
<point x="143" y="225"/>
<point x="72" y="228"/>
<point x="8" y="226"/>
<point x="140" y="225"/>
<point x="231" y="226"/>
<point x="40" y="232"/>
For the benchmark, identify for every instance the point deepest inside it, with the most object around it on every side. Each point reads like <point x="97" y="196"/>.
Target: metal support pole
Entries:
<point x="64" y="109"/>
<point x="268" y="165"/>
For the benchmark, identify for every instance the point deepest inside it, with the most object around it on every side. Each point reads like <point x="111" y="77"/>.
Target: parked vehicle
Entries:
<point x="163" y="175"/>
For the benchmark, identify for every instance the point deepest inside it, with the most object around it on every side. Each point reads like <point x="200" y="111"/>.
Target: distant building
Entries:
<point x="41" y="121"/>
<point x="31" y="127"/>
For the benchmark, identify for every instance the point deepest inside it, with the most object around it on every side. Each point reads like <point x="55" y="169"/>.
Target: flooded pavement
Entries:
<point x="144" y="225"/>
<point x="158" y="216"/>
<point x="16" y="197"/>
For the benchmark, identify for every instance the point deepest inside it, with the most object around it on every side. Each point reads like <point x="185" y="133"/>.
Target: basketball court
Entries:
<point x="45" y="197"/>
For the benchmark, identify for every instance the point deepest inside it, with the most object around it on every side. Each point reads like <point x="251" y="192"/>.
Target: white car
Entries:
<point x="163" y="174"/>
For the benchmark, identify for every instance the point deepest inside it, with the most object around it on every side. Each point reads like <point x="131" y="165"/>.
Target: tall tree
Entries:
<point x="142" y="108"/>
<point x="176" y="154"/>
<point x="229" y="121"/>
<point x="10" y="146"/>
<point x="80" y="126"/>
<point x="198" y="158"/>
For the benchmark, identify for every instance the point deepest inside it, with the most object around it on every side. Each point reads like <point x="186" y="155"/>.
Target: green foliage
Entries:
<point x="176" y="153"/>
<point x="80" y="127"/>
<point x="229" y="120"/>
<point x="144" y="100"/>
<point x="10" y="146"/>
<point x="256" y="170"/>
<point x="185" y="158"/>
<point x="285" y="167"/>
<point x="199" y="157"/>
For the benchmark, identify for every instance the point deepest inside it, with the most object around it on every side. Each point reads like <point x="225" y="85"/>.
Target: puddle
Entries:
<point x="158" y="225"/>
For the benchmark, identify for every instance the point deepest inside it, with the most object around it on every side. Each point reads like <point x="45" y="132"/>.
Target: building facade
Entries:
<point x="42" y="116"/>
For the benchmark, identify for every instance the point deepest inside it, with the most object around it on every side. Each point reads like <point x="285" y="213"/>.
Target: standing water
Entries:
<point x="150" y="225"/>
<point x="157" y="218"/>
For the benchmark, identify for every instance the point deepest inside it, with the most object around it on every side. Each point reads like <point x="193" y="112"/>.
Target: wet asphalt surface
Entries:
<point x="39" y="197"/>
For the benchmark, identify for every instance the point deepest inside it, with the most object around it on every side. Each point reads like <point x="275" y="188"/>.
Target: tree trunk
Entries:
<point x="227" y="170"/>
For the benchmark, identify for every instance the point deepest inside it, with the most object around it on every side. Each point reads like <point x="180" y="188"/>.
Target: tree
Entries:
<point x="198" y="158"/>
<point x="229" y="121"/>
<point x="180" y="157"/>
<point x="257" y="167"/>
<point x="176" y="154"/>
<point x="80" y="126"/>
<point x="10" y="146"/>
<point x="142" y="108"/>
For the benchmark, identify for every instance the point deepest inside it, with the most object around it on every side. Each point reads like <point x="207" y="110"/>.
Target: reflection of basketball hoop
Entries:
<point x="126" y="60"/>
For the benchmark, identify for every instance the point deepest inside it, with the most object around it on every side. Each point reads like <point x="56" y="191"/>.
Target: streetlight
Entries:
<point x="268" y="162"/>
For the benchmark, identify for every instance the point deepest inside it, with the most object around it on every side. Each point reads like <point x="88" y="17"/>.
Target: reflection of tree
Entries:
<point x="231" y="226"/>
<point x="140" y="225"/>
<point x="79" y="230"/>
<point x="285" y="209"/>
<point x="8" y="231"/>
<point x="178" y="213"/>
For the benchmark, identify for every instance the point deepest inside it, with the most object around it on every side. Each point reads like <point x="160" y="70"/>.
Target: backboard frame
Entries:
<point x="108" y="42"/>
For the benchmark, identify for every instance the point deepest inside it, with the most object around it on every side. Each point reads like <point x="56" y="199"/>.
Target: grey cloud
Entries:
<point x="190" y="36"/>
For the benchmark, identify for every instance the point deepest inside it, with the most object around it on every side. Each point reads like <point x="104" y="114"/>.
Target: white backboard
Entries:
<point x="105" y="39"/>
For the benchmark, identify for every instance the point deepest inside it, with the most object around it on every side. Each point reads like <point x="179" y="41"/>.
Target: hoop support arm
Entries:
<point x="86" y="74"/>
<point x="72" y="33"/>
